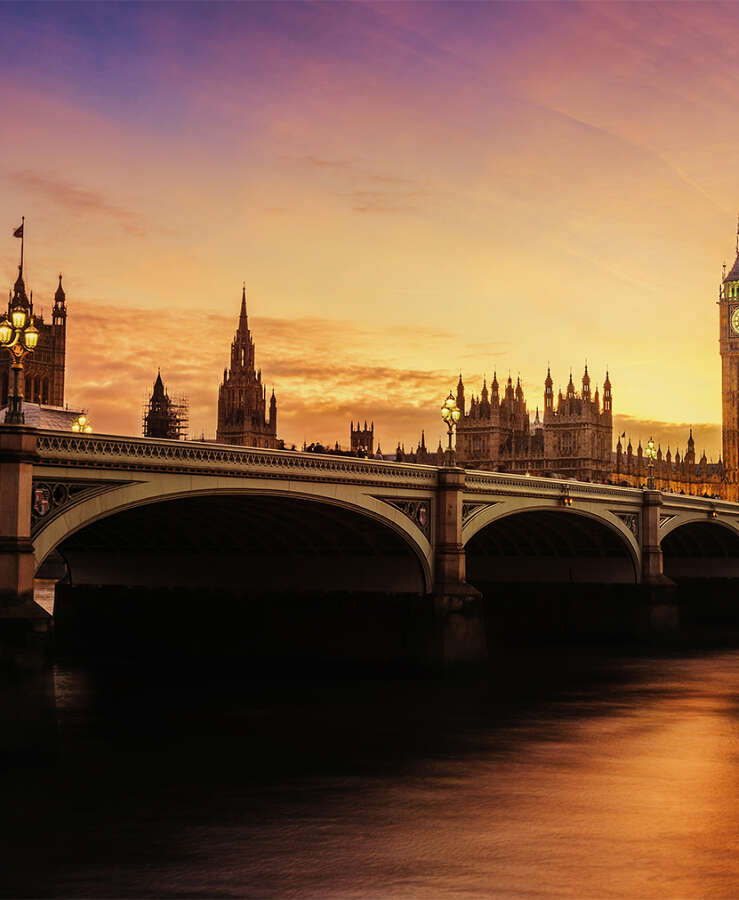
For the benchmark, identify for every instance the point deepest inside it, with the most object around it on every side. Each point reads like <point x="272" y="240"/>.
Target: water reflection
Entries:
<point x="608" y="779"/>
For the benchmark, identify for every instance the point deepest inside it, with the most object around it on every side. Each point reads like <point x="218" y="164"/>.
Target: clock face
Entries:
<point x="735" y="320"/>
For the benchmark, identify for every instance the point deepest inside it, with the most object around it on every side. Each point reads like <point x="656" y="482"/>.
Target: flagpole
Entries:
<point x="23" y="237"/>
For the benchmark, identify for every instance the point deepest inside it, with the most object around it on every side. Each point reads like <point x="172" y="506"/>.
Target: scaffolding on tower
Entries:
<point x="163" y="416"/>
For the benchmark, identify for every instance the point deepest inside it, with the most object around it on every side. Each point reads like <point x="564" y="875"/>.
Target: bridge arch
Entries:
<point x="346" y="512"/>
<point x="695" y="546"/>
<point x="580" y="543"/>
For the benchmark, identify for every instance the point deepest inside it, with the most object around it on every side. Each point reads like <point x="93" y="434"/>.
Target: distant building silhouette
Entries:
<point x="43" y="370"/>
<point x="678" y="474"/>
<point x="242" y="398"/>
<point x="362" y="439"/>
<point x="164" y="417"/>
<point x="421" y="454"/>
<point x="573" y="439"/>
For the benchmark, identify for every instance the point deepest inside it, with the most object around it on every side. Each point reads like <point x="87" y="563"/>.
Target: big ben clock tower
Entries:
<point x="728" y="305"/>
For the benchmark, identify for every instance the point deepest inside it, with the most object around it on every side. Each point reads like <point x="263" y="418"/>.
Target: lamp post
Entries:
<point x="451" y="414"/>
<point x="651" y="454"/>
<point x="19" y="336"/>
<point x="82" y="424"/>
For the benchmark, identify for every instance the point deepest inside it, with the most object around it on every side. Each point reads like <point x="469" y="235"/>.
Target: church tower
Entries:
<point x="728" y="304"/>
<point x="43" y="371"/>
<point x="242" y="398"/>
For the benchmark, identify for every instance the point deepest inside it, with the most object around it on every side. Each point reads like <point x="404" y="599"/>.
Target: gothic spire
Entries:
<point x="60" y="296"/>
<point x="243" y="321"/>
<point x="158" y="392"/>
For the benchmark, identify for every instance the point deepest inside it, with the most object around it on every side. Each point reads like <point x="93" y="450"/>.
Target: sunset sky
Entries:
<point x="408" y="190"/>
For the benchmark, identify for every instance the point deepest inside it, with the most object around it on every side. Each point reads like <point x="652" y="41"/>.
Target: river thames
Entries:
<point x="557" y="775"/>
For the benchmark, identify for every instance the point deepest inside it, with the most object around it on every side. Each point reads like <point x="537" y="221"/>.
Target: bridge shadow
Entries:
<point x="701" y="550"/>
<point x="254" y="577"/>
<point x="549" y="546"/>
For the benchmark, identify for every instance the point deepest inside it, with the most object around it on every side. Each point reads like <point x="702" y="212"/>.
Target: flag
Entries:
<point x="18" y="232"/>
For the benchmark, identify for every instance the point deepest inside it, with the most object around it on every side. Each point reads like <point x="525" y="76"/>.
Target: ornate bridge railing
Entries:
<point x="477" y="482"/>
<point x="61" y="448"/>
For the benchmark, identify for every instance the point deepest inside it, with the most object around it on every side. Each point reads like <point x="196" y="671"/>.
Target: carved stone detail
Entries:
<point x="418" y="511"/>
<point x="632" y="522"/>
<point x="49" y="498"/>
<point x="472" y="509"/>
<point x="663" y="520"/>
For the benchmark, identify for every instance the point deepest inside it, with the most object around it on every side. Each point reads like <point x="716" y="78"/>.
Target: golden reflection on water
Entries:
<point x="626" y="790"/>
<point x="637" y="799"/>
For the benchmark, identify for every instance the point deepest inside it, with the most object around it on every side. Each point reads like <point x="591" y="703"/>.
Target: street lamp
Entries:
<point x="82" y="424"/>
<point x="19" y="336"/>
<point x="451" y="414"/>
<point x="651" y="454"/>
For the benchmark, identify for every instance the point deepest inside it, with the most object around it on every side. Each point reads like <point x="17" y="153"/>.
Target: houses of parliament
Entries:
<point x="571" y="436"/>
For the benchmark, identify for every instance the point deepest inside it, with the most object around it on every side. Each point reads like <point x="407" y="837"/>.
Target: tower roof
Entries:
<point x="60" y="296"/>
<point x="158" y="391"/>
<point x="243" y="321"/>
<point x="733" y="275"/>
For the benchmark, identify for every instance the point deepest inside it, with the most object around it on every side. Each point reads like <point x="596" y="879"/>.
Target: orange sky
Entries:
<point x="409" y="190"/>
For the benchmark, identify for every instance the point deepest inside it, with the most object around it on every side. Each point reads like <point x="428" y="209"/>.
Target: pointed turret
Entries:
<point x="607" y="401"/>
<point x="460" y="395"/>
<point x="548" y="393"/>
<point x="273" y="413"/>
<point x="494" y="391"/>
<point x="519" y="390"/>
<point x="586" y="384"/>
<point x="60" y="304"/>
<point x="243" y="320"/>
<point x="158" y="392"/>
<point x="509" y="389"/>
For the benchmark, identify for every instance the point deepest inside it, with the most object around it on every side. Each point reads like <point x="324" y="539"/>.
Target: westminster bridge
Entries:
<point x="139" y="511"/>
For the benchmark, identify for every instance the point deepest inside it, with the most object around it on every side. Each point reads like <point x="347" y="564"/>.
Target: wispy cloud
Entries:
<point x="371" y="191"/>
<point x="707" y="435"/>
<point x="342" y="377"/>
<point x="386" y="201"/>
<point x="78" y="199"/>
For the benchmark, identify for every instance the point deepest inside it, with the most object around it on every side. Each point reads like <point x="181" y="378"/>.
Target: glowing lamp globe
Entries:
<point x="455" y="415"/>
<point x="30" y="336"/>
<point x="18" y="317"/>
<point x="75" y="426"/>
<point x="6" y="332"/>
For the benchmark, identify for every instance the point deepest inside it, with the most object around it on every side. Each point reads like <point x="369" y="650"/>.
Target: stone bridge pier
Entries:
<point x="22" y="621"/>
<point x="458" y="605"/>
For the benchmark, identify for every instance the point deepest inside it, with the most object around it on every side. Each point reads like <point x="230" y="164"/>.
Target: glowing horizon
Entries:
<point x="408" y="191"/>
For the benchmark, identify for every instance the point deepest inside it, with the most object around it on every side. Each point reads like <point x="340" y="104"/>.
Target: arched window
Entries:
<point x="45" y="391"/>
<point x="36" y="390"/>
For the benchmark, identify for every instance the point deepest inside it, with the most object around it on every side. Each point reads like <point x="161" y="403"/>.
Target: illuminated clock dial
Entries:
<point x="735" y="320"/>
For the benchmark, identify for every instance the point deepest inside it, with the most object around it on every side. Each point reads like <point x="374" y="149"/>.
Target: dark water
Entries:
<point x="553" y="776"/>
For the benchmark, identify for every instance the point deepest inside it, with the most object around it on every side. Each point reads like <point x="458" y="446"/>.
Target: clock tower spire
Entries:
<point x="728" y="303"/>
